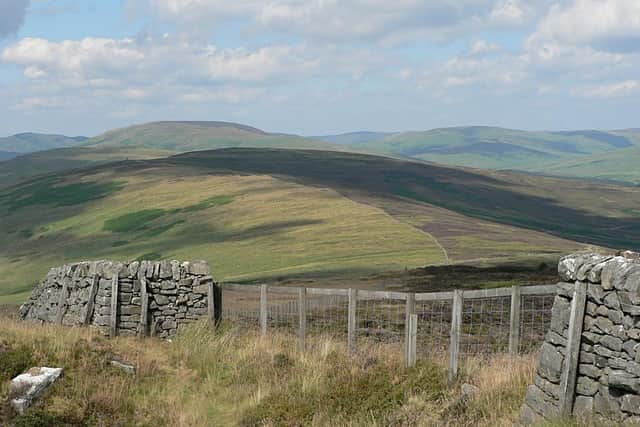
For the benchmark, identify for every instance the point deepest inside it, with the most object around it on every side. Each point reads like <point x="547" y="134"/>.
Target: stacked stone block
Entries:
<point x="607" y="384"/>
<point x="177" y="295"/>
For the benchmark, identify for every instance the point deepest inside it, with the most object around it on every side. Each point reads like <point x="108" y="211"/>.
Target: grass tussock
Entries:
<point x="234" y="378"/>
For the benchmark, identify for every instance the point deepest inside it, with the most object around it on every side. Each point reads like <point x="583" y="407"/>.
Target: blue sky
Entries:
<point x="319" y="66"/>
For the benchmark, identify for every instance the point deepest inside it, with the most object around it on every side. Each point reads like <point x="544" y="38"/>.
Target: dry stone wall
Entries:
<point x="589" y="364"/>
<point x="174" y="294"/>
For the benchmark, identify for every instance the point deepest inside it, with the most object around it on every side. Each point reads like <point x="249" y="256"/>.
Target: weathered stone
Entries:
<point x="615" y="316"/>
<point x="130" y="310"/>
<point x="603" y="351"/>
<point x="610" y="267"/>
<point x="592" y="308"/>
<point x="631" y="403"/>
<point x="612" y="301"/>
<point x="565" y="289"/>
<point x="624" y="381"/>
<point x="591" y="338"/>
<point x="604" y="324"/>
<point x="169" y="324"/>
<point x="124" y="367"/>
<point x="612" y="343"/>
<point x="27" y="387"/>
<point x="630" y="347"/>
<point x="199" y="268"/>
<point x="632" y="310"/>
<point x="587" y="358"/>
<point x="125" y="298"/>
<point x="632" y="280"/>
<point x="166" y="285"/>
<point x="602" y="310"/>
<point x="529" y="417"/>
<point x="590" y="371"/>
<point x="606" y="403"/>
<point x="585" y="386"/>
<point x="568" y="266"/>
<point x="550" y="366"/>
<point x="595" y="293"/>
<point x="556" y="339"/>
<point x="583" y="408"/>
<point x="161" y="299"/>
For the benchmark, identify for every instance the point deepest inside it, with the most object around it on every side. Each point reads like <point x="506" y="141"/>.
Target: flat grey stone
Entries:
<point x="27" y="387"/>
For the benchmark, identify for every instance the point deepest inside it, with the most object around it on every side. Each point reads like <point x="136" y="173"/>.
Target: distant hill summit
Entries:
<point x="353" y="137"/>
<point x="184" y="136"/>
<point x="570" y="153"/>
<point x="30" y="142"/>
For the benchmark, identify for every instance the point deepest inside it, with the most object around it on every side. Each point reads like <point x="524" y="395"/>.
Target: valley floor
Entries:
<point x="232" y="378"/>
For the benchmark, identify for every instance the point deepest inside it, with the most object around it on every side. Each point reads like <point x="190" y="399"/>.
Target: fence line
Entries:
<point x="460" y="322"/>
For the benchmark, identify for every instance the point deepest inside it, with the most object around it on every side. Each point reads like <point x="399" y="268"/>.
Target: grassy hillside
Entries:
<point x="597" y="213"/>
<point x="148" y="141"/>
<point x="498" y="148"/>
<point x="231" y="378"/>
<point x="352" y="138"/>
<point x="6" y="155"/>
<point x="30" y="142"/>
<point x="257" y="214"/>
<point x="620" y="165"/>
<point x="182" y="137"/>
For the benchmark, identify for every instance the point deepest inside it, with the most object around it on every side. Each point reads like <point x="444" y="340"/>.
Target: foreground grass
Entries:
<point x="232" y="378"/>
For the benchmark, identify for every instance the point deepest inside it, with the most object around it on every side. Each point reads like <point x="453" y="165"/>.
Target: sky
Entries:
<point x="313" y="67"/>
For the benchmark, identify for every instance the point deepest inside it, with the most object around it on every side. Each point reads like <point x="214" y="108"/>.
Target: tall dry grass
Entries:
<point x="233" y="378"/>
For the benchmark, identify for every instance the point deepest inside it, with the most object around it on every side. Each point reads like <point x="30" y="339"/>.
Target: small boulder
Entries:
<point x="27" y="387"/>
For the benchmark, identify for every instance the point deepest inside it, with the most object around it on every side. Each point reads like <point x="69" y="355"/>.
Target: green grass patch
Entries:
<point x="150" y="256"/>
<point x="156" y="231"/>
<point x="134" y="221"/>
<point x="14" y="361"/>
<point x="48" y="191"/>
<point x="119" y="243"/>
<point x="365" y="393"/>
<point x="209" y="203"/>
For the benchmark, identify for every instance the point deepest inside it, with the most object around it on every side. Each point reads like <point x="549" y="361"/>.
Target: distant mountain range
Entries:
<point x="13" y="146"/>
<point x="582" y="153"/>
<point x="605" y="155"/>
<point x="260" y="205"/>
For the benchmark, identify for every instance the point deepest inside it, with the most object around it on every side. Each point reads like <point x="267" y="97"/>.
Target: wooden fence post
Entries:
<point x="62" y="302"/>
<point x="302" y="314"/>
<point x="263" y="310"/>
<point x="514" y="322"/>
<point x="114" y="305"/>
<point x="93" y="291"/>
<point x="409" y="309"/>
<point x="351" y="321"/>
<point x="572" y="352"/>
<point x="413" y="335"/>
<point x="456" y="323"/>
<point x="144" y="307"/>
<point x="211" y="303"/>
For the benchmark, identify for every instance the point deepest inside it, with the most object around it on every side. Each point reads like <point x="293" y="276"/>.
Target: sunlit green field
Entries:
<point x="246" y="227"/>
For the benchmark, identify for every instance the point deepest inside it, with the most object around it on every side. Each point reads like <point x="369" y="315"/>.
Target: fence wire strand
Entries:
<point x="485" y="325"/>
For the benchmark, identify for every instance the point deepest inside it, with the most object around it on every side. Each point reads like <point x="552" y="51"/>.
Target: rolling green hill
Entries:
<point x="262" y="214"/>
<point x="498" y="148"/>
<point x="30" y="142"/>
<point x="181" y="137"/>
<point x="148" y="141"/>
<point x="6" y="155"/>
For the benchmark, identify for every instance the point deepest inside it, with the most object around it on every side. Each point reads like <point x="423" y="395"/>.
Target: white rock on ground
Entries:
<point x="27" y="387"/>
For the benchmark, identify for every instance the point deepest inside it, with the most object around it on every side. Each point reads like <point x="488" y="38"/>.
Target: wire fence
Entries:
<point x="479" y="322"/>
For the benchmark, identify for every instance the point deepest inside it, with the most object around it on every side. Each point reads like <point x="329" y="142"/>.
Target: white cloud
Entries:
<point x="357" y="20"/>
<point x="483" y="47"/>
<point x="624" y="88"/>
<point x="12" y="13"/>
<point x="610" y="25"/>
<point x="509" y="12"/>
